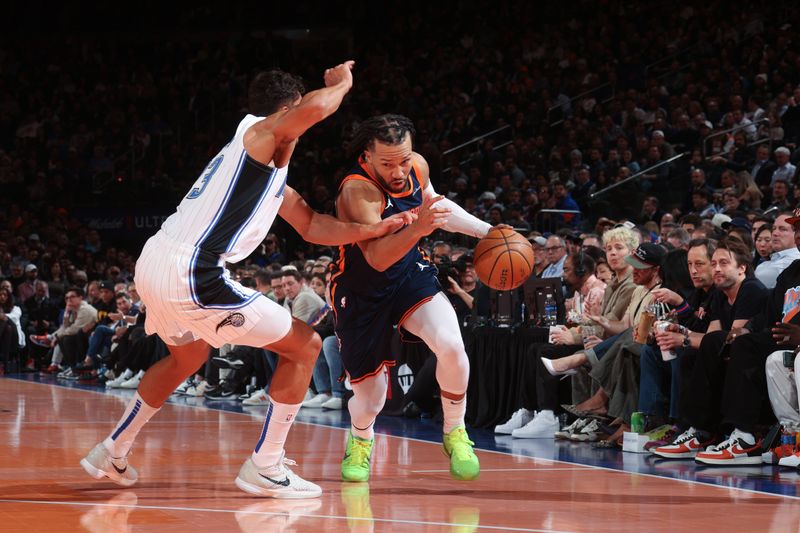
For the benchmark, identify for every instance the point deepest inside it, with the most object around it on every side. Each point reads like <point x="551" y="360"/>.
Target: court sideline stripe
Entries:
<point x="268" y="513"/>
<point x="605" y="468"/>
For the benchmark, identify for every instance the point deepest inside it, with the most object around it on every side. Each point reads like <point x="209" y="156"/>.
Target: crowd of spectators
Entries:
<point x="581" y="100"/>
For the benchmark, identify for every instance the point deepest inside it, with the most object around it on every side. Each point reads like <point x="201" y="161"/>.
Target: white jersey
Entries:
<point x="232" y="205"/>
<point x="181" y="272"/>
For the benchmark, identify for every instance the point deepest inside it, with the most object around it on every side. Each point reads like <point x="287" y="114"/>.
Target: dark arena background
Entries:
<point x="642" y="378"/>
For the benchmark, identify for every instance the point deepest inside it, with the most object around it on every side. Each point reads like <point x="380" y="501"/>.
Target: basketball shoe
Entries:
<point x="464" y="464"/>
<point x="99" y="463"/>
<point x="356" y="461"/>
<point x="275" y="481"/>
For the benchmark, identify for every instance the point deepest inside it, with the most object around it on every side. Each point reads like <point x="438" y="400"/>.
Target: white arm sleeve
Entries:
<point x="459" y="220"/>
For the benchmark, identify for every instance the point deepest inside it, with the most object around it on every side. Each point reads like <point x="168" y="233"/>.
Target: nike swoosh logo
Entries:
<point x="119" y="471"/>
<point x="284" y="483"/>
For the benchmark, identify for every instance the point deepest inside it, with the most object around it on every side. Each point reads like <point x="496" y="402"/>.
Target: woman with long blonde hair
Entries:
<point x="749" y="194"/>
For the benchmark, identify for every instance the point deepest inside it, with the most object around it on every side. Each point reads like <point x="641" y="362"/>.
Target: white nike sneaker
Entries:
<point x="133" y="383"/>
<point x="517" y="420"/>
<point x="99" y="464"/>
<point x="543" y="426"/>
<point x="276" y="481"/>
<point x="119" y="380"/>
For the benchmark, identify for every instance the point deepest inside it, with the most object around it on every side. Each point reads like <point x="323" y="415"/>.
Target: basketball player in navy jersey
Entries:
<point x="388" y="281"/>
<point x="193" y="304"/>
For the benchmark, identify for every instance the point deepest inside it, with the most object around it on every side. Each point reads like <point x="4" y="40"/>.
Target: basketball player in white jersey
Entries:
<point x="192" y="304"/>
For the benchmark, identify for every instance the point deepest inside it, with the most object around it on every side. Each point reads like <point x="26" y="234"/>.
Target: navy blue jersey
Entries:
<point x="352" y="271"/>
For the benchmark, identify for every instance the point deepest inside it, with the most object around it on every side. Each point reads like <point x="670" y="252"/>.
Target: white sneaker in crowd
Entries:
<point x="200" y="389"/>
<point x="317" y="401"/>
<point x="259" y="397"/>
<point x="543" y="426"/>
<point x="133" y="383"/>
<point x="336" y="403"/>
<point x="517" y="420"/>
<point x="119" y="380"/>
<point x="183" y="387"/>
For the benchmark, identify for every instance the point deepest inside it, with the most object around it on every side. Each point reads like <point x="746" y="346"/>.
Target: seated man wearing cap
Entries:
<point x="784" y="251"/>
<point x="538" y="242"/>
<point x="27" y="288"/>
<point x="613" y="368"/>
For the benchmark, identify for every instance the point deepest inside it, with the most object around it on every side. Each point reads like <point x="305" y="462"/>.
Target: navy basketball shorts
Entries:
<point x="365" y="323"/>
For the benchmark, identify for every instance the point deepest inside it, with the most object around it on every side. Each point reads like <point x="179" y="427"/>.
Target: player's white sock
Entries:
<point x="133" y="419"/>
<point x="453" y="411"/>
<point x="269" y="448"/>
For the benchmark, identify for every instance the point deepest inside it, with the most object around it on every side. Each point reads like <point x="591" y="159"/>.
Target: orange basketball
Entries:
<point x="503" y="259"/>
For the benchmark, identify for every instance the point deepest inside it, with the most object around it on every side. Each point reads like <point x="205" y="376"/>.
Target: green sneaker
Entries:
<point x="464" y="463"/>
<point x="355" y="465"/>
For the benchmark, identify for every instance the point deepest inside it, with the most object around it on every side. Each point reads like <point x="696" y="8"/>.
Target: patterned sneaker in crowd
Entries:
<point x="200" y="389"/>
<point x="588" y="433"/>
<point x="660" y="436"/>
<point x="735" y="450"/>
<point x="573" y="428"/>
<point x="684" y="446"/>
<point x="259" y="397"/>
<point x="183" y="387"/>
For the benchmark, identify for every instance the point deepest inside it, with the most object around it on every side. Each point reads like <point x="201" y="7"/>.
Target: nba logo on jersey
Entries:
<point x="343" y="302"/>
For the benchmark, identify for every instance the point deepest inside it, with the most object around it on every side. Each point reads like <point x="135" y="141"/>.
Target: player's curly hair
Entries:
<point x="388" y="129"/>
<point x="272" y="89"/>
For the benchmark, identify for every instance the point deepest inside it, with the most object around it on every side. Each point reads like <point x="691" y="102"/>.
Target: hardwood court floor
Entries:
<point x="189" y="455"/>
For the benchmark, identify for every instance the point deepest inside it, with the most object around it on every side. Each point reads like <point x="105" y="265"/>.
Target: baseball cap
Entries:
<point x="106" y="284"/>
<point x="30" y="267"/>
<point x="737" y="222"/>
<point x="795" y="218"/>
<point x="647" y="255"/>
<point x="541" y="241"/>
<point x="487" y="195"/>
<point x="719" y="220"/>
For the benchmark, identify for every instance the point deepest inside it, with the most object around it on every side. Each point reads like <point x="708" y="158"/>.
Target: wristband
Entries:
<point x="686" y="342"/>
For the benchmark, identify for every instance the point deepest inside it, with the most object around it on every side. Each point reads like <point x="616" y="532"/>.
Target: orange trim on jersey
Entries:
<point x="413" y="308"/>
<point x="424" y="254"/>
<point x="376" y="372"/>
<point x="359" y="177"/>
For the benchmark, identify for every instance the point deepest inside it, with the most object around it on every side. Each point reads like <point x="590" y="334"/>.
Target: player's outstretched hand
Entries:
<point x="340" y="74"/>
<point x="392" y="224"/>
<point x="431" y="217"/>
